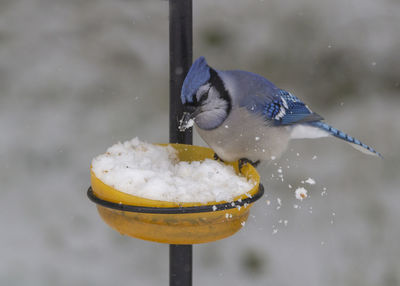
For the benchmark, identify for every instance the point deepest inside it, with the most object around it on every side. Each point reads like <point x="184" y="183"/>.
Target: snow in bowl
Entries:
<point x="171" y="193"/>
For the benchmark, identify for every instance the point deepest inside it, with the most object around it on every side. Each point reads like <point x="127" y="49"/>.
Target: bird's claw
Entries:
<point x="217" y="158"/>
<point x="244" y="161"/>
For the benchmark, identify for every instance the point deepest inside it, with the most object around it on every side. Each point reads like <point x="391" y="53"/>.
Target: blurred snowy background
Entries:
<point x="78" y="76"/>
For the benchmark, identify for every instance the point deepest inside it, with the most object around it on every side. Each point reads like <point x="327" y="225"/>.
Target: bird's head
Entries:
<point x="204" y="96"/>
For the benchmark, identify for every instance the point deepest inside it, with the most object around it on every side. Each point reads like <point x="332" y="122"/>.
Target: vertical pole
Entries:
<point x="180" y="59"/>
<point x="180" y="265"/>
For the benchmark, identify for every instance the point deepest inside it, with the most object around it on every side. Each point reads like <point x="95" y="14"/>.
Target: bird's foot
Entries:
<point x="244" y="161"/>
<point x="217" y="158"/>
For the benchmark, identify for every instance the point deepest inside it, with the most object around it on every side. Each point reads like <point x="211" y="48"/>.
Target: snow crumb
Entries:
<point x="301" y="193"/>
<point x="214" y="207"/>
<point x="310" y="181"/>
<point x="256" y="138"/>
<point x="268" y="202"/>
<point x="272" y="157"/>
<point x="314" y="157"/>
<point x="189" y="124"/>
<point x="279" y="201"/>
<point x="154" y="172"/>
<point x="227" y="215"/>
<point x="243" y="223"/>
<point x="275" y="231"/>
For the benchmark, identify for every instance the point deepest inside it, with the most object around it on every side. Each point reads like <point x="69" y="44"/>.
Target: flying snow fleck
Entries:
<point x="310" y="181"/>
<point x="301" y="193"/>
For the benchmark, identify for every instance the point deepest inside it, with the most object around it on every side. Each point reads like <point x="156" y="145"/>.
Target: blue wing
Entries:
<point x="260" y="96"/>
<point x="286" y="109"/>
<point x="279" y="106"/>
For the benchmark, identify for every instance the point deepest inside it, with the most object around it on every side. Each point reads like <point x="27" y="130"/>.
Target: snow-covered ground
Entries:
<point x="78" y="76"/>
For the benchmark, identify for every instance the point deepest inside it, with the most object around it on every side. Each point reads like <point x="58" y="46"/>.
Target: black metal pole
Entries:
<point x="180" y="265"/>
<point x="180" y="60"/>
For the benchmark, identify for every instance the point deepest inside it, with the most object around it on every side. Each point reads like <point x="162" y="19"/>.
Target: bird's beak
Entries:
<point x="188" y="117"/>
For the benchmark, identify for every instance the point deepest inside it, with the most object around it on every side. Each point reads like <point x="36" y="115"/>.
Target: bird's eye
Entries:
<point x="204" y="96"/>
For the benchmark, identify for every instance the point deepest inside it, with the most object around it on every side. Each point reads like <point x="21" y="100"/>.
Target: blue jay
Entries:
<point x="243" y="116"/>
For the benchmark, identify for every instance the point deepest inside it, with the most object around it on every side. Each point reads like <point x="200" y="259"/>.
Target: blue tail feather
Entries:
<point x="341" y="135"/>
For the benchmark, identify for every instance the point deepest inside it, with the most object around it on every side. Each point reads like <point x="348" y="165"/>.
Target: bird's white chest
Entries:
<point x="245" y="135"/>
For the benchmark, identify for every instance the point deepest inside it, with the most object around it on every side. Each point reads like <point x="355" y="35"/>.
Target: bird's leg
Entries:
<point x="244" y="161"/>
<point x="217" y="158"/>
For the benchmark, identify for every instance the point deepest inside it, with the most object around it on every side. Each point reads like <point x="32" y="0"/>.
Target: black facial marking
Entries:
<point x="188" y="107"/>
<point x="204" y="96"/>
<point x="193" y="104"/>
<point x="216" y="82"/>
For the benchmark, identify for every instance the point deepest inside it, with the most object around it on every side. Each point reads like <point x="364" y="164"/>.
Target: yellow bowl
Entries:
<point x="175" y="223"/>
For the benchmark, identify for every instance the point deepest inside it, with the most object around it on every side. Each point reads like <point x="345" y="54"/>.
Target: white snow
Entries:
<point x="301" y="193"/>
<point x="154" y="172"/>
<point x="189" y="124"/>
<point x="310" y="181"/>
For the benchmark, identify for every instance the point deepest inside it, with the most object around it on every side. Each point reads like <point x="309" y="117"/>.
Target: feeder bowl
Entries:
<point x="170" y="222"/>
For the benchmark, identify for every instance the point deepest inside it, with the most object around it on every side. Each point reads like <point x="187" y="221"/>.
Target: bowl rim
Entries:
<point x="179" y="209"/>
